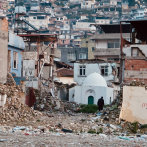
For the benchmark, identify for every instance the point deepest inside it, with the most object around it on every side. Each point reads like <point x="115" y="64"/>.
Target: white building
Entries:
<point x="88" y="4"/>
<point x="99" y="74"/>
<point x="39" y="20"/>
<point x="108" y="45"/>
<point x="106" y="69"/>
<point x="85" y="26"/>
<point x="139" y="14"/>
<point x="102" y="20"/>
<point x="93" y="87"/>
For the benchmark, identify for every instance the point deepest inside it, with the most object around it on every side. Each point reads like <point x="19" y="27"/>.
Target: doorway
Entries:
<point x="90" y="100"/>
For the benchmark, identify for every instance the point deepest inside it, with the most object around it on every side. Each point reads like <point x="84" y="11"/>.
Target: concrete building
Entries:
<point x="93" y="87"/>
<point x="72" y="54"/>
<point x="83" y="68"/>
<point x="102" y="20"/>
<point x="139" y="13"/>
<point x="4" y="48"/>
<point x="90" y="44"/>
<point x="88" y="4"/>
<point x="108" y="45"/>
<point x="85" y="26"/>
<point x="38" y="20"/>
<point x="16" y="46"/>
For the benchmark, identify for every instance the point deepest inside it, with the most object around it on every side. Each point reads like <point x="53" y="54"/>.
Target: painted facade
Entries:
<point x="88" y="43"/>
<point x="15" y="47"/>
<point x="134" y="104"/>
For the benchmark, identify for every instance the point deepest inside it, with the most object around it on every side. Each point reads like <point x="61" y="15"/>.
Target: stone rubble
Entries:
<point x="58" y="118"/>
<point x="14" y="110"/>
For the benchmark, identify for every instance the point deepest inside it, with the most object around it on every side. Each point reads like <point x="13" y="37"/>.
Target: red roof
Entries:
<point x="64" y="72"/>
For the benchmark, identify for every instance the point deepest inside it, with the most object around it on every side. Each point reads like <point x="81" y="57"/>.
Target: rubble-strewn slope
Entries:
<point x="14" y="110"/>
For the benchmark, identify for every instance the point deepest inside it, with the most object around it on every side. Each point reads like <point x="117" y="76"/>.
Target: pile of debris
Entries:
<point x="137" y="83"/>
<point x="46" y="100"/>
<point x="13" y="109"/>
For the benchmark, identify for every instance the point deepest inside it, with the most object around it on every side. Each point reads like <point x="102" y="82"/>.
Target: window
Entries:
<point x="134" y="52"/>
<point x="92" y="48"/>
<point x="104" y="70"/>
<point x="71" y="56"/>
<point x="15" y="60"/>
<point x="113" y="59"/>
<point x="57" y="18"/>
<point x="82" y="69"/>
<point x="63" y="41"/>
<point x="66" y="22"/>
<point x="34" y="17"/>
<point x="82" y="56"/>
<point x="113" y="44"/>
<point x="86" y="41"/>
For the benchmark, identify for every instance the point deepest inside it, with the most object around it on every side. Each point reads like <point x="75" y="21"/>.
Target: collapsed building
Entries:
<point x="133" y="72"/>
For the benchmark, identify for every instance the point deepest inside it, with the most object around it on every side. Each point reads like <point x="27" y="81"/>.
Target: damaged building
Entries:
<point x="134" y="72"/>
<point x="105" y="76"/>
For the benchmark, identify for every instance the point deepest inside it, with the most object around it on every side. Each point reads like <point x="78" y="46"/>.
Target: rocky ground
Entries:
<point x="53" y="131"/>
<point x="57" y="124"/>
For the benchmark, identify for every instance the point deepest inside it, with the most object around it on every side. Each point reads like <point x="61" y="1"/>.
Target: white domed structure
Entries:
<point x="93" y="88"/>
<point x="95" y="79"/>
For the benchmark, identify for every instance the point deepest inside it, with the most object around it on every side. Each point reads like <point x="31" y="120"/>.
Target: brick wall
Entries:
<point x="135" y="69"/>
<point x="4" y="24"/>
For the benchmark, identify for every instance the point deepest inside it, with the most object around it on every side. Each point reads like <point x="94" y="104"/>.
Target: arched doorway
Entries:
<point x="90" y="100"/>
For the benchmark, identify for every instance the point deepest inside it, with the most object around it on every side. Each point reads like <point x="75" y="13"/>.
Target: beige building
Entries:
<point x="90" y="44"/>
<point x="4" y="48"/>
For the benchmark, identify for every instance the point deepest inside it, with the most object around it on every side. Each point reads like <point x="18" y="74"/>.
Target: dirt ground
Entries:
<point x="44" y="132"/>
<point x="65" y="140"/>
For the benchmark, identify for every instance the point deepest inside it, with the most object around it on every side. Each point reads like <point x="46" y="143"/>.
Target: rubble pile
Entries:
<point x="46" y="100"/>
<point x="14" y="110"/>
<point x="71" y="106"/>
<point x="137" y="83"/>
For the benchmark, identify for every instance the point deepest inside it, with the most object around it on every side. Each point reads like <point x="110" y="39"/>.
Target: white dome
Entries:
<point x="95" y="79"/>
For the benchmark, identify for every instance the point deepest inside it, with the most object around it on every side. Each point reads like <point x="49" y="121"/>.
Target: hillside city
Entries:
<point x="73" y="73"/>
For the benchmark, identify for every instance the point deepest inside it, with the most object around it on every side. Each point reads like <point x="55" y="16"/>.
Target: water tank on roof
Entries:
<point x="20" y="9"/>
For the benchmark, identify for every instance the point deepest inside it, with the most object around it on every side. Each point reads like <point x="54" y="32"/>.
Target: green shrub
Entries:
<point x="143" y="126"/>
<point x="89" y="108"/>
<point x="100" y="130"/>
<point x="83" y="105"/>
<point x="92" y="131"/>
<point x="134" y="127"/>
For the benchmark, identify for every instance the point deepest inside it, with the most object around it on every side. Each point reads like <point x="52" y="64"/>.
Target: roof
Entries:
<point x="89" y="61"/>
<point x="140" y="27"/>
<point x="43" y="37"/>
<point x="110" y="36"/>
<point x="114" y="28"/>
<point x="64" y="64"/>
<point x="64" y="72"/>
<point x="95" y="79"/>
